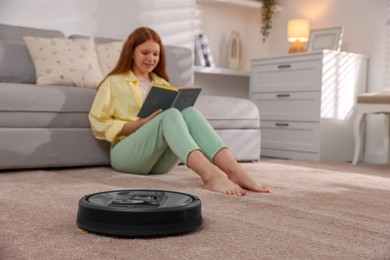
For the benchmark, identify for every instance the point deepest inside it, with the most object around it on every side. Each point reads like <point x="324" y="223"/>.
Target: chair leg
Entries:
<point x="358" y="133"/>
<point x="387" y="138"/>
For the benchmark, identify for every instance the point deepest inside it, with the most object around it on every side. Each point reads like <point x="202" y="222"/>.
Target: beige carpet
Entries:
<point x="316" y="211"/>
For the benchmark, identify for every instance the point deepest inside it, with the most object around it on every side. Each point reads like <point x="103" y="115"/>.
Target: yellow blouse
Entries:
<point x="117" y="102"/>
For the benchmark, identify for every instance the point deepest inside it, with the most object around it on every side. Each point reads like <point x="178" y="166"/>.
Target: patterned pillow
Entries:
<point x="108" y="55"/>
<point x="63" y="61"/>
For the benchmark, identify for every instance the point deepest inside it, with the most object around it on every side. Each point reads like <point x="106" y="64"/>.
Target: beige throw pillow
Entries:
<point x="108" y="55"/>
<point x="63" y="61"/>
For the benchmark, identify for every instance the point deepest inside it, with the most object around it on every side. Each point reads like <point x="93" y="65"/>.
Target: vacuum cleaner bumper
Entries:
<point x="138" y="213"/>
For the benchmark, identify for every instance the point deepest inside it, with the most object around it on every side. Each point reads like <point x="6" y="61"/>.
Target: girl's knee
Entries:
<point x="190" y="112"/>
<point x="172" y="115"/>
<point x="172" y="112"/>
<point x="187" y="111"/>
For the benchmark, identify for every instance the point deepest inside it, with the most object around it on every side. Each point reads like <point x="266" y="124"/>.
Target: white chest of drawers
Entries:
<point x="306" y="103"/>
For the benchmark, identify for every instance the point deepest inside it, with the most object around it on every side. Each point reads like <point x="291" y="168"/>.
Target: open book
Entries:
<point x="165" y="97"/>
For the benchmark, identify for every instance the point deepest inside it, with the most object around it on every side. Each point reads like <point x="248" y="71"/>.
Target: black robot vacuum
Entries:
<point x="139" y="213"/>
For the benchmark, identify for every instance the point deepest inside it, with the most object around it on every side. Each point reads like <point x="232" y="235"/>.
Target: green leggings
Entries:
<point x="161" y="143"/>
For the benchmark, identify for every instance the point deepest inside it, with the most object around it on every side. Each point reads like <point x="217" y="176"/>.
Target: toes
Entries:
<point x="265" y="190"/>
<point x="234" y="192"/>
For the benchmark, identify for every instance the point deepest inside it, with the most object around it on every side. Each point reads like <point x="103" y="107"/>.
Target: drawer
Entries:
<point x="301" y="76"/>
<point x="290" y="136"/>
<point x="299" y="106"/>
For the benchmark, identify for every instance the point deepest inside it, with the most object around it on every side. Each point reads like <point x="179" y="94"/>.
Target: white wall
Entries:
<point x="218" y="21"/>
<point x="363" y="21"/>
<point x="174" y="20"/>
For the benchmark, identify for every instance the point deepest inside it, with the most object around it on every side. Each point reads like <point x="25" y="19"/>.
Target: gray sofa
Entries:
<point x="47" y="126"/>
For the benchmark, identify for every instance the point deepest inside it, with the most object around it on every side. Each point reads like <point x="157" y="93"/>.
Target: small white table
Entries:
<point x="371" y="103"/>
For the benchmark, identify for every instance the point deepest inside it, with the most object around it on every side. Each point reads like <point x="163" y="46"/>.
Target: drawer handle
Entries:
<point x="282" y="95"/>
<point x="281" y="124"/>
<point x="284" y="66"/>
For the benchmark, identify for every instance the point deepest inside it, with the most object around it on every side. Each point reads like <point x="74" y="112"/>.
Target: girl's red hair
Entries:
<point x="126" y="59"/>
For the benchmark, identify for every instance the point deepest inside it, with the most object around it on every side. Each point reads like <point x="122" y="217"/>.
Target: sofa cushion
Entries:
<point x="37" y="119"/>
<point x="29" y="105"/>
<point x="51" y="147"/>
<point x="229" y="112"/>
<point x="108" y="55"/>
<point x="179" y="61"/>
<point x="54" y="98"/>
<point x="68" y="62"/>
<point x="15" y="61"/>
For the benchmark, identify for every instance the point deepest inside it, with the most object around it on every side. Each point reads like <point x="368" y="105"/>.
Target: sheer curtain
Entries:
<point x="387" y="49"/>
<point x="174" y="20"/>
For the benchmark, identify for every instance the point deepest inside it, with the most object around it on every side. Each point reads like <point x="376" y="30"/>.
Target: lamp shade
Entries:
<point x="298" y="30"/>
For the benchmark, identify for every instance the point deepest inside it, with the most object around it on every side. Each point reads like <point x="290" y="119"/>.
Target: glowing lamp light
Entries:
<point x="297" y="33"/>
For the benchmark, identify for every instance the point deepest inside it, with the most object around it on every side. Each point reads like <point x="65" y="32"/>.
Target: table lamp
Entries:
<point x="297" y="33"/>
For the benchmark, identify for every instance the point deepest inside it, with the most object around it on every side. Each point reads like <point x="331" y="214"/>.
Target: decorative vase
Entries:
<point x="234" y="50"/>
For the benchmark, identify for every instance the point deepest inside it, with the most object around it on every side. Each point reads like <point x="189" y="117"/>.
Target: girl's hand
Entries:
<point x="148" y="118"/>
<point x="131" y="127"/>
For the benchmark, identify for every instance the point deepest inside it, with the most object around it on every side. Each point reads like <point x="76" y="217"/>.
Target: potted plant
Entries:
<point x="267" y="11"/>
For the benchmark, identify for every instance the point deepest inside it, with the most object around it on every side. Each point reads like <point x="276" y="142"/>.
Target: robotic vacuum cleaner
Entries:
<point x="137" y="213"/>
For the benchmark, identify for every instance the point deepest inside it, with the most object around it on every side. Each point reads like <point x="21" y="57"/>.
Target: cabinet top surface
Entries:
<point x="309" y="55"/>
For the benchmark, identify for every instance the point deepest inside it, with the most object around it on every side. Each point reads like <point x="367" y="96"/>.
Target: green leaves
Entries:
<point x="267" y="12"/>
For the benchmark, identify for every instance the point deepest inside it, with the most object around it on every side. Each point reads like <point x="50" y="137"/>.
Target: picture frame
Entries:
<point x="327" y="38"/>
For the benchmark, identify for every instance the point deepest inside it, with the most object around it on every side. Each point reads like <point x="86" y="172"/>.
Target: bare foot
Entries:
<point x="226" y="162"/>
<point x="220" y="183"/>
<point x="213" y="178"/>
<point x="245" y="181"/>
